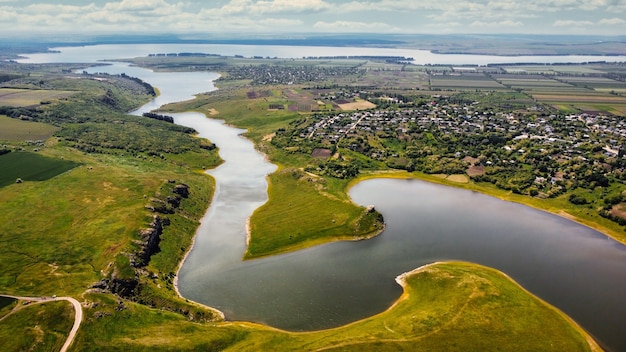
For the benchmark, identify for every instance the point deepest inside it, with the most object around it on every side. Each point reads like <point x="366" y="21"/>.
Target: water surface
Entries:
<point x="422" y="57"/>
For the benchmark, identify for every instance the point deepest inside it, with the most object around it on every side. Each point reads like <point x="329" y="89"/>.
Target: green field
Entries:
<point x="37" y="327"/>
<point x="18" y="130"/>
<point x="306" y="217"/>
<point x="464" y="82"/>
<point x="31" y="167"/>
<point x="6" y="305"/>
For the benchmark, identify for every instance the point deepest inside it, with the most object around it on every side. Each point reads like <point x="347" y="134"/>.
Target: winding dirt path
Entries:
<point x="78" y="313"/>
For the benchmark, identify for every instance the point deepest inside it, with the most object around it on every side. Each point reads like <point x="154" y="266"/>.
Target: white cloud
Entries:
<point x="497" y="25"/>
<point x="275" y="6"/>
<point x="281" y="22"/>
<point x="572" y="23"/>
<point x="405" y="16"/>
<point x="352" y="26"/>
<point x="256" y="8"/>
<point x="612" y="21"/>
<point x="148" y="8"/>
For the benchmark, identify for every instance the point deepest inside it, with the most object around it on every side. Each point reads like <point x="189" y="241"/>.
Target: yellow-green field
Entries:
<point x="301" y="213"/>
<point x="18" y="130"/>
<point x="28" y="97"/>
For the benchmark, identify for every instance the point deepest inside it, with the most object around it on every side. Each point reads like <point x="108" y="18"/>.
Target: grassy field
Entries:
<point x="306" y="217"/>
<point x="465" y="82"/>
<point x="31" y="167"/>
<point x="28" y="97"/>
<point x="18" y="130"/>
<point x="37" y="327"/>
<point x="444" y="307"/>
<point x="6" y="305"/>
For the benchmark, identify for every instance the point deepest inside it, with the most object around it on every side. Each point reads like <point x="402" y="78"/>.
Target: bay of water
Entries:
<point x="575" y="268"/>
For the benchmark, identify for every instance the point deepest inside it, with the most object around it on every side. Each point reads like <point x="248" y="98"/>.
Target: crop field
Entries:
<point x="554" y="69"/>
<point x="359" y="104"/>
<point x="30" y="167"/>
<point x="29" y="97"/>
<point x="465" y="82"/>
<point x="601" y="84"/>
<point x="394" y="79"/>
<point x="18" y="130"/>
<point x="525" y="83"/>
<point x="590" y="97"/>
<point x="587" y="101"/>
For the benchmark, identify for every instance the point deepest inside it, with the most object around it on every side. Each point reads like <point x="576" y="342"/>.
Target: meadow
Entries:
<point x="296" y="219"/>
<point x="18" y="130"/>
<point x="28" y="97"/>
<point x="37" y="327"/>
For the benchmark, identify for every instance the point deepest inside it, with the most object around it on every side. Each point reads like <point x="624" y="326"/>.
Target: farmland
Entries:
<point x="31" y="167"/>
<point x="18" y="130"/>
<point x="591" y="87"/>
<point x="28" y="97"/>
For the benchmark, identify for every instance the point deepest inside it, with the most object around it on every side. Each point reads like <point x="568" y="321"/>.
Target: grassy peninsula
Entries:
<point x="444" y="307"/>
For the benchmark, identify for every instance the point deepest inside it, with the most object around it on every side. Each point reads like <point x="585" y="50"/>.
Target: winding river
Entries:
<point x="575" y="268"/>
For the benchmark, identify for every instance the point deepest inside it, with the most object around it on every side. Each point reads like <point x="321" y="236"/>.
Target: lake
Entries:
<point x="577" y="269"/>
<point x="96" y="53"/>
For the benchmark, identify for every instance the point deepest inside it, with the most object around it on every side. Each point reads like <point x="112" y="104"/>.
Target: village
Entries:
<point x="531" y="151"/>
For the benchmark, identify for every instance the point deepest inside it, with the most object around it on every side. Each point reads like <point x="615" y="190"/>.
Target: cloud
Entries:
<point x="256" y="8"/>
<point x="498" y="25"/>
<point x="572" y="23"/>
<point x="351" y="26"/>
<point x="150" y="8"/>
<point x="385" y="16"/>
<point x="612" y="21"/>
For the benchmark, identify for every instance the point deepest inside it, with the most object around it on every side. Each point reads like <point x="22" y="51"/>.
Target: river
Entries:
<point x="575" y="268"/>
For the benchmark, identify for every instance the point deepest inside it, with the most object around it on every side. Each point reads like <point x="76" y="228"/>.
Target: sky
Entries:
<point x="52" y="17"/>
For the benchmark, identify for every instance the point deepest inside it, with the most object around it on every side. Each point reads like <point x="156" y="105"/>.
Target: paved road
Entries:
<point x="78" y="314"/>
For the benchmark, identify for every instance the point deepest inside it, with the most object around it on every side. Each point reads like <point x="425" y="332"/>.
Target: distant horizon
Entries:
<point x="373" y="38"/>
<point x="478" y="44"/>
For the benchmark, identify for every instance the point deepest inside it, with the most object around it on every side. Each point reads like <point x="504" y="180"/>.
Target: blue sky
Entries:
<point x="597" y="17"/>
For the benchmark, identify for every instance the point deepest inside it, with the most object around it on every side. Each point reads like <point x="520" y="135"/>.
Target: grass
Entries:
<point x="28" y="97"/>
<point x="301" y="213"/>
<point x="6" y="305"/>
<point x="18" y="130"/>
<point x="444" y="307"/>
<point x="31" y="167"/>
<point x="75" y="226"/>
<point x="37" y="327"/>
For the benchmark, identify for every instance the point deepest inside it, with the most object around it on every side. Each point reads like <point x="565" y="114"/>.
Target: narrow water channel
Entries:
<point x="577" y="269"/>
